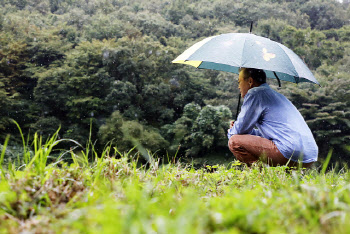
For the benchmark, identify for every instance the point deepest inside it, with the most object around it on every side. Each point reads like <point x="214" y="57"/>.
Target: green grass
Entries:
<point x="111" y="193"/>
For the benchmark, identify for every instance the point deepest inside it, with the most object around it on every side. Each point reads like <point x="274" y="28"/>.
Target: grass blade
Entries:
<point x="4" y="150"/>
<point x="326" y="162"/>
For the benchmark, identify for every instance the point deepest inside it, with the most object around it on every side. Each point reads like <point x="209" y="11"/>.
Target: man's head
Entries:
<point x="250" y="78"/>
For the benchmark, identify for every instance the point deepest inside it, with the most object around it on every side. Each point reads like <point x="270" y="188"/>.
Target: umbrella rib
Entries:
<point x="240" y="62"/>
<point x="296" y="72"/>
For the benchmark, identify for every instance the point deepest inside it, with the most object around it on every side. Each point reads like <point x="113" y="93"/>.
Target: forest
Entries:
<point x="102" y="69"/>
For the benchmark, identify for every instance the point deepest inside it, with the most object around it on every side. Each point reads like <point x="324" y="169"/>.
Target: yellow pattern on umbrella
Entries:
<point x="184" y="56"/>
<point x="268" y="56"/>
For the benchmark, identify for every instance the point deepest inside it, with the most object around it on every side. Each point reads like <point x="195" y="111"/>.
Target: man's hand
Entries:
<point x="231" y="125"/>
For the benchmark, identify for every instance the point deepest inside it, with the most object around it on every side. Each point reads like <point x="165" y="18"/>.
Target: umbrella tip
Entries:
<point x="251" y="26"/>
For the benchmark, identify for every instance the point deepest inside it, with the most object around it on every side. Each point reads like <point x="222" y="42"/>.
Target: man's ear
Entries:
<point x="250" y="81"/>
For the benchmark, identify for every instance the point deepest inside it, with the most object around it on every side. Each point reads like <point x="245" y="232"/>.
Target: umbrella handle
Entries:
<point x="239" y="102"/>
<point x="278" y="79"/>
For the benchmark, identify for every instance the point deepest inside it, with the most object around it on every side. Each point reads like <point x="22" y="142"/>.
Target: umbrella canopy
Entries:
<point x="229" y="52"/>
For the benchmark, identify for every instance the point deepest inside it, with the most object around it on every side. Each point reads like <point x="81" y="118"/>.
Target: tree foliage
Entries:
<point x="199" y="130"/>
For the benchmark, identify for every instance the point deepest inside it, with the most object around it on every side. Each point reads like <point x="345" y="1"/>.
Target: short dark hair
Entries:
<point x="257" y="74"/>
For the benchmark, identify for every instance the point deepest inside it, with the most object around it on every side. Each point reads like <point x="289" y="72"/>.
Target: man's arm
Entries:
<point x="250" y="113"/>
<point x="255" y="131"/>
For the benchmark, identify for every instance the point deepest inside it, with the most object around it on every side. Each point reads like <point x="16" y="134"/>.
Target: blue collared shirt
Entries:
<point x="269" y="114"/>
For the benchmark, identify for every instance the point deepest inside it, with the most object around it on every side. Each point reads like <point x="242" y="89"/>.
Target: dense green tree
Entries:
<point x="46" y="126"/>
<point x="122" y="95"/>
<point x="325" y="14"/>
<point x="126" y="134"/>
<point x="199" y="129"/>
<point x="76" y="91"/>
<point x="312" y="46"/>
<point x="46" y="46"/>
<point x="271" y="28"/>
<point x="20" y="4"/>
<point x="210" y="128"/>
<point x="13" y="58"/>
<point x="179" y="133"/>
<point x="77" y="17"/>
<point x="5" y="107"/>
<point x="155" y="24"/>
<point x="15" y="87"/>
<point x="107" y="26"/>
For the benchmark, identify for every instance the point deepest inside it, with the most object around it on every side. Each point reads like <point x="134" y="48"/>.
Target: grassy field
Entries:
<point x="112" y="193"/>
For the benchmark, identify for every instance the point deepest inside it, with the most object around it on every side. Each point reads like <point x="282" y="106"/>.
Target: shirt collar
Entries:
<point x="264" y="85"/>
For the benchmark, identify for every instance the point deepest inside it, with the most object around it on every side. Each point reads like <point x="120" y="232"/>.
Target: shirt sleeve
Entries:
<point x="255" y="132"/>
<point x="251" y="111"/>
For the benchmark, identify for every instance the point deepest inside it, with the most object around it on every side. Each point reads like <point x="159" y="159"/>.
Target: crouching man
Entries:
<point x="269" y="127"/>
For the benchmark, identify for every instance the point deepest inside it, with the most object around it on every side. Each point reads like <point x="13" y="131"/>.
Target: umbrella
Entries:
<point x="231" y="51"/>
